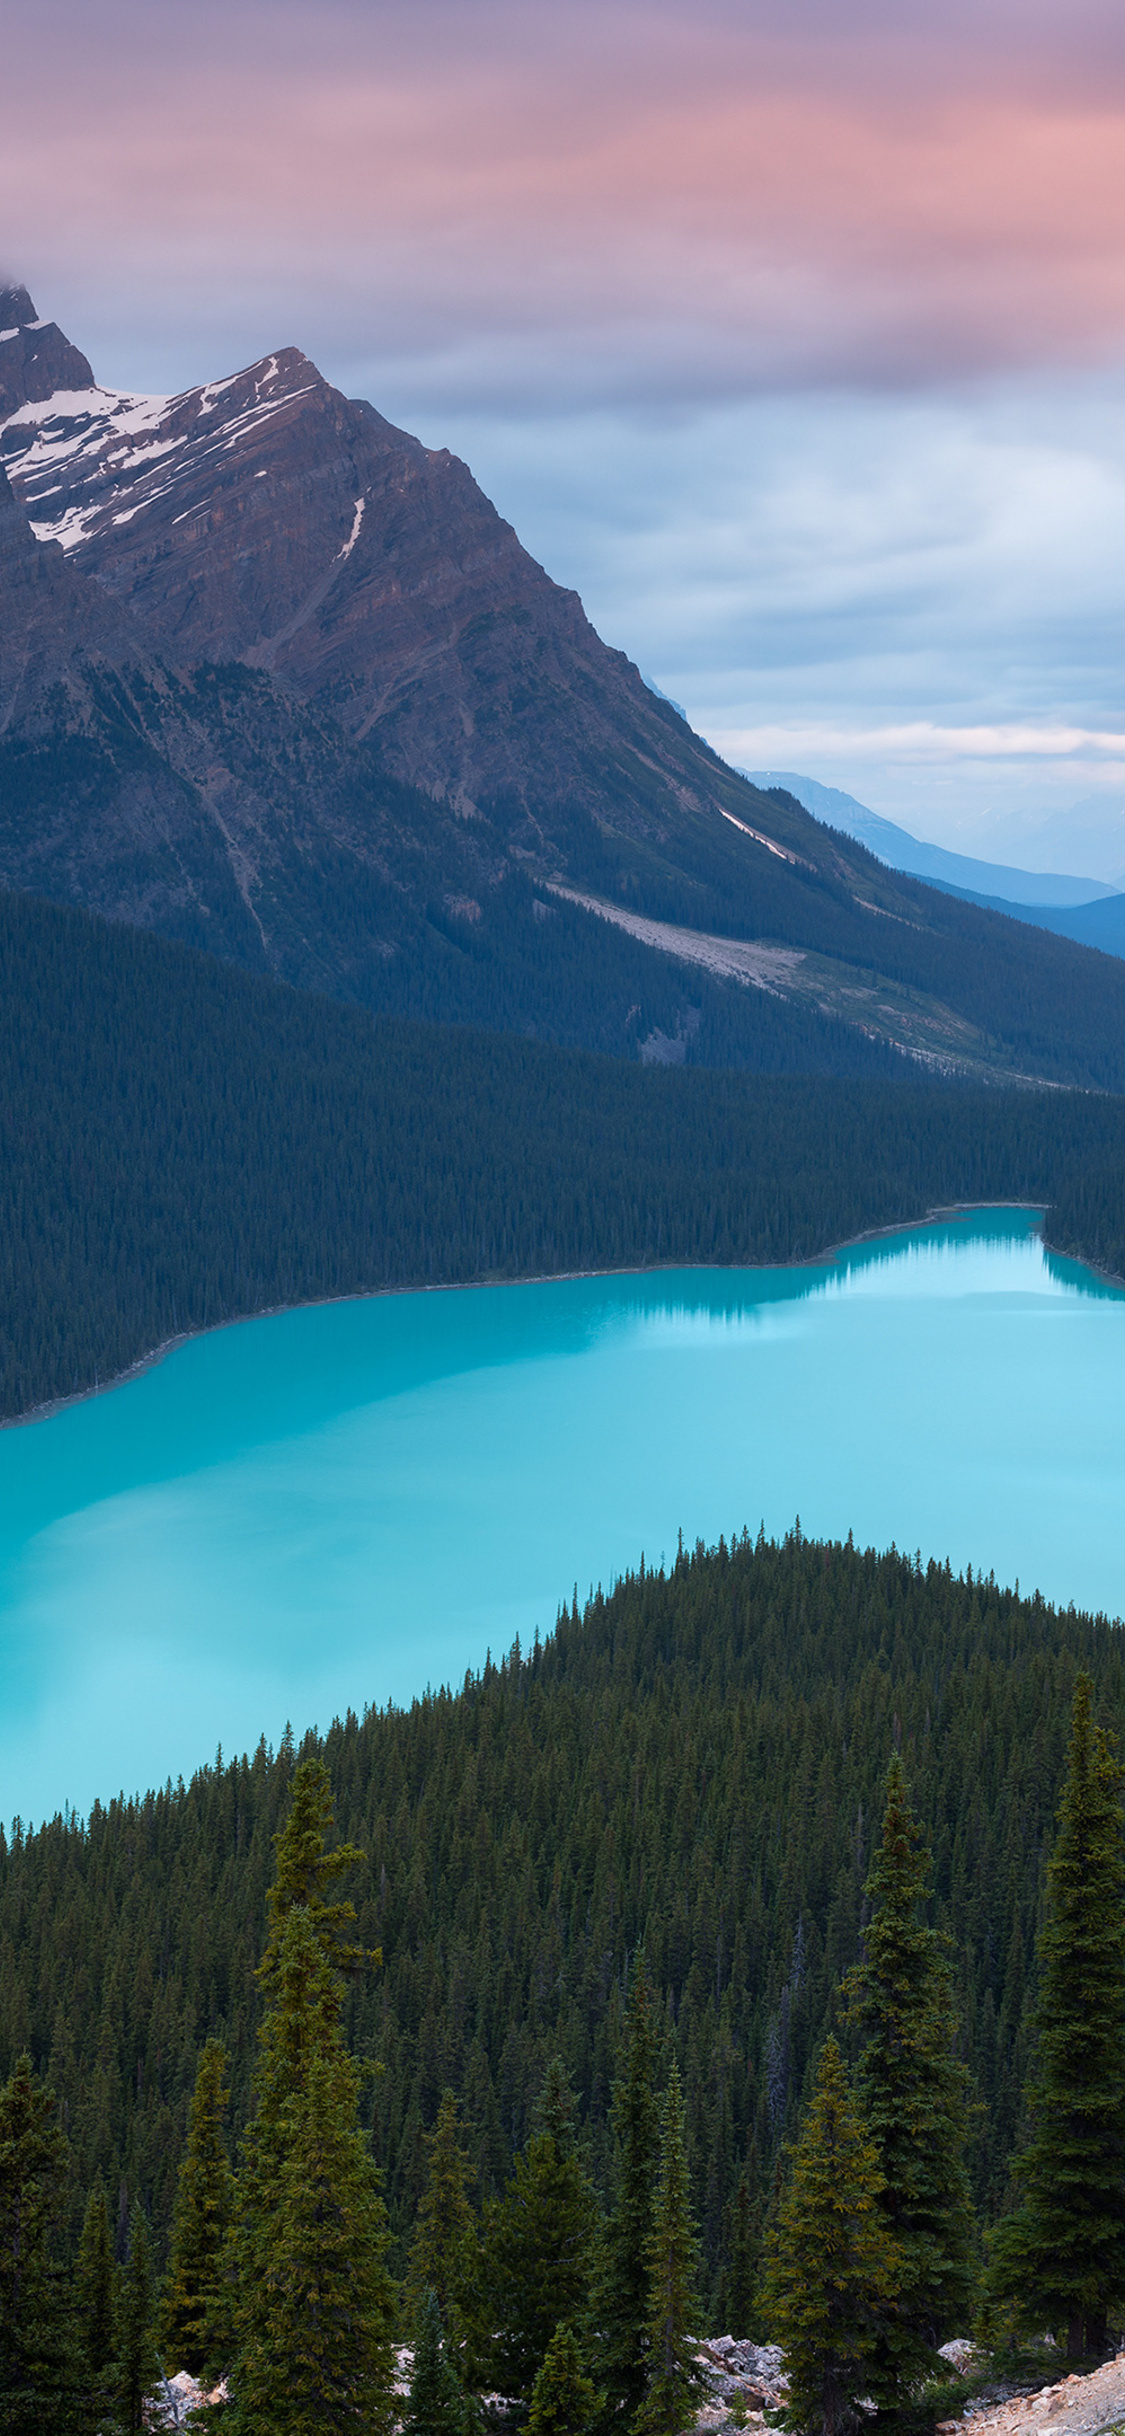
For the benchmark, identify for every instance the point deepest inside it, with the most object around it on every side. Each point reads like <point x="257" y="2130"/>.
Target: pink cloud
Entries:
<point x="752" y="200"/>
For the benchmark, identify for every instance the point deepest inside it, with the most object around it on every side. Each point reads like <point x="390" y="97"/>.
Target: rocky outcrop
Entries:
<point x="1074" y="2405"/>
<point x="179" y="2400"/>
<point x="744" y="2381"/>
<point x="55" y="629"/>
<point x="36" y="361"/>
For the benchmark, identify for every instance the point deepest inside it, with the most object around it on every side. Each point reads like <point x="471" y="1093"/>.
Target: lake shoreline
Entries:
<point x="475" y="1285"/>
<point x="295" y="1523"/>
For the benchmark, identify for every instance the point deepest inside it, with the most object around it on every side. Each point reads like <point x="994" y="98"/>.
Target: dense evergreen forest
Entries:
<point x="182" y="1143"/>
<point x="697" y="1761"/>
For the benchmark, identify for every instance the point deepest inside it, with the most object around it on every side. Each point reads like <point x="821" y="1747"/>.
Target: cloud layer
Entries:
<point x="788" y="332"/>
<point x="609" y="198"/>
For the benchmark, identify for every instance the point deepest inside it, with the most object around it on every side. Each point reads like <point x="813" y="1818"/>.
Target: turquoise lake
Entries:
<point x="340" y="1505"/>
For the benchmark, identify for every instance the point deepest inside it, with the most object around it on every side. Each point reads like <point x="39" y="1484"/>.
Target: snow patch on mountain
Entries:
<point x="353" y="536"/>
<point x="74" y="455"/>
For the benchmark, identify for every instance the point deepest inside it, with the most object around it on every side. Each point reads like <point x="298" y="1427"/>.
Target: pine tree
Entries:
<point x="195" y="2300"/>
<point x="622" y="2305"/>
<point x="138" y="2369"/>
<point x="39" y="2368"/>
<point x="308" y="1867"/>
<point x="673" y="2382"/>
<point x="539" y="2248"/>
<point x="437" y="2406"/>
<point x="313" y="2300"/>
<point x="564" y="2399"/>
<point x="94" y="2283"/>
<point x="739" y="2309"/>
<point x="914" y="2097"/>
<point x="831" y="2265"/>
<point x="444" y="2255"/>
<point x="1061" y="2258"/>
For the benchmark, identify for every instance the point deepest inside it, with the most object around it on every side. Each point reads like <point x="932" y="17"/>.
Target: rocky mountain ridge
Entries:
<point x="35" y="359"/>
<point x="267" y="518"/>
<point x="278" y="680"/>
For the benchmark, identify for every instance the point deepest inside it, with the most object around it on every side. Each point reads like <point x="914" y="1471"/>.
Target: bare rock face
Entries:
<point x="54" y="627"/>
<point x="35" y="359"/>
<point x="98" y="800"/>
<point x="267" y="518"/>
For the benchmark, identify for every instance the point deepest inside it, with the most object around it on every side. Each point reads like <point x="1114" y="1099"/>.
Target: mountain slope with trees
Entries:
<point x="182" y="1144"/>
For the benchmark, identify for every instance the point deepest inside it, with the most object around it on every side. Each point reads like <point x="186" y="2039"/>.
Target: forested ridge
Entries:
<point x="182" y="1143"/>
<point x="696" y="1761"/>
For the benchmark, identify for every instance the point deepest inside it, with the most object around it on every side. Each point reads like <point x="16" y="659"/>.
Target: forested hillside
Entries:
<point x="181" y="1143"/>
<point x="697" y="1761"/>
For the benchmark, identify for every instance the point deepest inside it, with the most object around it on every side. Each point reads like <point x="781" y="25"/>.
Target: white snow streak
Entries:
<point x="85" y="448"/>
<point x="353" y="536"/>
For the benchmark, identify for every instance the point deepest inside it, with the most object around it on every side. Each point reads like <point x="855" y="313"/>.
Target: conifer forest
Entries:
<point x="182" y="1143"/>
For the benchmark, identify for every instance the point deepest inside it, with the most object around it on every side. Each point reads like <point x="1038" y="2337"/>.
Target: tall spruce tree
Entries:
<point x="914" y="2097"/>
<point x="94" y="2289"/>
<point x="444" y="2255"/>
<point x="673" y="2382"/>
<point x="830" y="2263"/>
<point x="738" y="2304"/>
<point x="39" y="2364"/>
<point x="194" y="2313"/>
<point x="1060" y="2259"/>
<point x="564" y="2399"/>
<point x="436" y="2406"/>
<point x="622" y="2305"/>
<point x="539" y="2248"/>
<point x="313" y="2299"/>
<point x="138" y="2369"/>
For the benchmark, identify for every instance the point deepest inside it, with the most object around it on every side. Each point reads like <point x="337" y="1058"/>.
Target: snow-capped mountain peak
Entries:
<point x="86" y="460"/>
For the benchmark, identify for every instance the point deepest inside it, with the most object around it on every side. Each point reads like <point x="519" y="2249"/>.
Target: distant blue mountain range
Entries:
<point x="1083" y="909"/>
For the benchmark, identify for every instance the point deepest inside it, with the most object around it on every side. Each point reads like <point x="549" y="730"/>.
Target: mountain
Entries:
<point x="210" y="805"/>
<point x="268" y="519"/>
<point x="1089" y="911"/>
<point x="1000" y="885"/>
<point x="1100" y="924"/>
<point x="279" y="681"/>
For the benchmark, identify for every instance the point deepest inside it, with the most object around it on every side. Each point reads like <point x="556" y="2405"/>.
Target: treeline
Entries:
<point x="1088" y="1214"/>
<point x="697" y="1764"/>
<point x="182" y="1143"/>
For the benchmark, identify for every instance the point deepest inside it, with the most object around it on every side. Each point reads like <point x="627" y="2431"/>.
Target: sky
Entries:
<point x="790" y="332"/>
